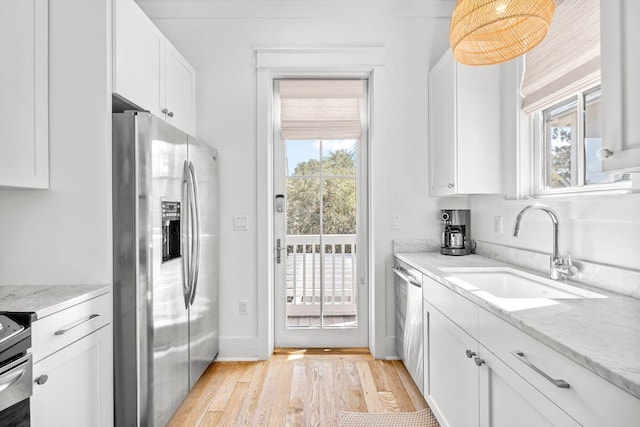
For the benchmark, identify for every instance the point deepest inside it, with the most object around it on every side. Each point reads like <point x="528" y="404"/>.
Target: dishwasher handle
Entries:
<point x="404" y="275"/>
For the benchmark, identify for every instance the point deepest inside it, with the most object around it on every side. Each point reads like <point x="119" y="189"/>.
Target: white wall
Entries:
<point x="221" y="48"/>
<point x="63" y="235"/>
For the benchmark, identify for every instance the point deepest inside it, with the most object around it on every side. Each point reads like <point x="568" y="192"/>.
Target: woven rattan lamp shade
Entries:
<point x="485" y="32"/>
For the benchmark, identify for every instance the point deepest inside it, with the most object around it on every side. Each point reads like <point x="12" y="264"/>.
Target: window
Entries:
<point x="561" y="96"/>
<point x="568" y="138"/>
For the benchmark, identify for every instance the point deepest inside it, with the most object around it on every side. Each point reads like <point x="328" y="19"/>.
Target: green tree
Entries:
<point x="338" y="195"/>
<point x="561" y="157"/>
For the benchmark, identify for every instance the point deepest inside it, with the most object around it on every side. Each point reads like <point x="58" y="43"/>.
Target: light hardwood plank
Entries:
<point x="250" y="404"/>
<point x="369" y="388"/>
<point x="395" y="386"/>
<point x="388" y="401"/>
<point x="268" y="395"/>
<point x="195" y="405"/>
<point x="412" y="390"/>
<point x="231" y="411"/>
<point x="295" y="412"/>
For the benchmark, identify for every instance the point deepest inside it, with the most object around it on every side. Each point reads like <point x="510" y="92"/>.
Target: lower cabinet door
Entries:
<point x="73" y="387"/>
<point x="507" y="400"/>
<point x="453" y="376"/>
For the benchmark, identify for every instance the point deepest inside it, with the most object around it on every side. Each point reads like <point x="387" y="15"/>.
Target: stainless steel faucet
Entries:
<point x="559" y="268"/>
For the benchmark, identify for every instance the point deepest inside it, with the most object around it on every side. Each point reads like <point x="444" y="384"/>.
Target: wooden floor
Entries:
<point x="298" y="388"/>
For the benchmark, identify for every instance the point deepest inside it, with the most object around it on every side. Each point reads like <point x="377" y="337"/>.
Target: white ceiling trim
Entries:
<point x="292" y="9"/>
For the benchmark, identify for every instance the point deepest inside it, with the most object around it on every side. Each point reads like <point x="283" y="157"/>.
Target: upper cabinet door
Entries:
<point x="442" y="127"/>
<point x="148" y="71"/>
<point x="620" y="85"/>
<point x="179" y="90"/>
<point x="24" y="99"/>
<point x="464" y="128"/>
<point x="137" y="53"/>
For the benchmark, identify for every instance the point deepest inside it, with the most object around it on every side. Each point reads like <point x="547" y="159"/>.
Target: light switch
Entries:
<point x="395" y="222"/>
<point x="241" y="222"/>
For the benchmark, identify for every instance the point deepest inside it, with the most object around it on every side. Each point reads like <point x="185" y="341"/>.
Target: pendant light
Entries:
<point x="485" y="32"/>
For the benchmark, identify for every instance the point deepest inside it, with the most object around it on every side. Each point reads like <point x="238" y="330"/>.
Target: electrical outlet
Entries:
<point x="244" y="307"/>
<point x="240" y="222"/>
<point x="497" y="224"/>
<point x="395" y="222"/>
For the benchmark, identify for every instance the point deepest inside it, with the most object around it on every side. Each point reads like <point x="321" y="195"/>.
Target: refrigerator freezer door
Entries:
<point x="167" y="148"/>
<point x="204" y="309"/>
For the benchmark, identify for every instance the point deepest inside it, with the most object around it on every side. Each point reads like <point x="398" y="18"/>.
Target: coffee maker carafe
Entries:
<point x="456" y="232"/>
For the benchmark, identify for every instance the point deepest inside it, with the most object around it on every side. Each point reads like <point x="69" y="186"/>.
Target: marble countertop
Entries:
<point x="46" y="300"/>
<point x="603" y="334"/>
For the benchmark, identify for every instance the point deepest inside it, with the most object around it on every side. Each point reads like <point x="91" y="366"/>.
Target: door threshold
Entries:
<point x="320" y="350"/>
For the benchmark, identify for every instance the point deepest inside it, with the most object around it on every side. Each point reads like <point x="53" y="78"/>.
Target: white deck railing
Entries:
<point x="321" y="271"/>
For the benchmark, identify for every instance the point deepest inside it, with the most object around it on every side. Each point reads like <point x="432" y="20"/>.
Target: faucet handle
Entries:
<point x="567" y="268"/>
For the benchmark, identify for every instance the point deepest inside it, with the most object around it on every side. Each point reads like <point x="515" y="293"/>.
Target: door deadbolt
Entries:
<point x="279" y="202"/>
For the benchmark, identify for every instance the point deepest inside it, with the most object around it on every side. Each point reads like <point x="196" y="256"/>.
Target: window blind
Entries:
<point x="321" y="109"/>
<point x="567" y="59"/>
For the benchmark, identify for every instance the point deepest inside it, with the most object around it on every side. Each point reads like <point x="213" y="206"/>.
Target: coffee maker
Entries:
<point x="456" y="232"/>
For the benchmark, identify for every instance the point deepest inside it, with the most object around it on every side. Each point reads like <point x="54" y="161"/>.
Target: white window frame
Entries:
<point x="536" y="123"/>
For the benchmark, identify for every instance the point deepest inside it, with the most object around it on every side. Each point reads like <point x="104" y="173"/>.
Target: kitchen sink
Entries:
<point x="513" y="289"/>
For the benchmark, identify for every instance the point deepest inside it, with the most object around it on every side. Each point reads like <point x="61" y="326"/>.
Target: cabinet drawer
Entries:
<point x="51" y="333"/>
<point x="590" y="399"/>
<point x="457" y="308"/>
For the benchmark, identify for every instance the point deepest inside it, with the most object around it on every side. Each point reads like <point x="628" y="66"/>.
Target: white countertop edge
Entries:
<point x="43" y="301"/>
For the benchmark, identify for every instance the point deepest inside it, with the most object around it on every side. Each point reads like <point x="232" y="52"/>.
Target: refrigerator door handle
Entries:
<point x="196" y="233"/>
<point x="186" y="223"/>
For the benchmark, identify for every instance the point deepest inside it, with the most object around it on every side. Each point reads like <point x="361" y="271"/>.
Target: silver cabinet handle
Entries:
<point x="41" y="379"/>
<point x="450" y="185"/>
<point x="170" y="114"/>
<point x="165" y="111"/>
<point x="478" y="361"/>
<point x="556" y="382"/>
<point x="75" y="324"/>
<point x="470" y="354"/>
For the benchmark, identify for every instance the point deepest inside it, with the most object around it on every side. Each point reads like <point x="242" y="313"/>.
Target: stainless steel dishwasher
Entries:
<point x="408" y="304"/>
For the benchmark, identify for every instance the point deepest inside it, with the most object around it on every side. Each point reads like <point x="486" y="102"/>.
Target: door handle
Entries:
<point x="279" y="249"/>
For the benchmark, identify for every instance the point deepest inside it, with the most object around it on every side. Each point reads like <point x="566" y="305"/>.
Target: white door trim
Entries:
<point x="273" y="63"/>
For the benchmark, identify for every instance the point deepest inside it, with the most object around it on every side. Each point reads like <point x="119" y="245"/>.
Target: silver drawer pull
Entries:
<point x="41" y="379"/>
<point x="558" y="383"/>
<point x="73" y="325"/>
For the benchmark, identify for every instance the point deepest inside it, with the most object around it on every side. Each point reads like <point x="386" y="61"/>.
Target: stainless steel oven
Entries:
<point x="16" y="382"/>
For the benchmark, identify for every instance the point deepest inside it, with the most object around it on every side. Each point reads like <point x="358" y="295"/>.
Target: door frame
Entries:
<point x="340" y="337"/>
<point x="340" y="62"/>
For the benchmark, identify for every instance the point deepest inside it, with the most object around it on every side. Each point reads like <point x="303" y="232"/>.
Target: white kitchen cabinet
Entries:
<point x="73" y="366"/>
<point x="148" y="70"/>
<point x="24" y="103"/>
<point x="507" y="400"/>
<point x="620" y="85"/>
<point x="586" y="397"/>
<point x="453" y="377"/>
<point x="465" y="383"/>
<point x="464" y="128"/>
<point x="179" y="90"/>
<point x="78" y="390"/>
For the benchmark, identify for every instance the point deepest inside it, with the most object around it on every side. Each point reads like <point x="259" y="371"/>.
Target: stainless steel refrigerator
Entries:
<point x="165" y="240"/>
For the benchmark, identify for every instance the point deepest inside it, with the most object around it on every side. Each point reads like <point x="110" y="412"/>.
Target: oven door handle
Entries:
<point x="10" y="378"/>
